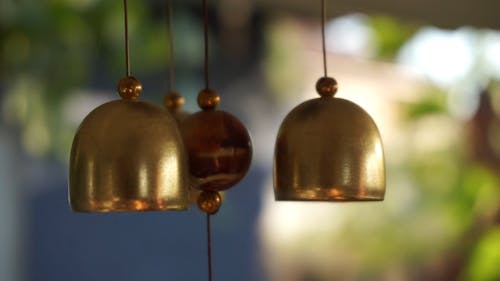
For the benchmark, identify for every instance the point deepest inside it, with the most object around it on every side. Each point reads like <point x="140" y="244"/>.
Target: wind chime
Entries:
<point x="130" y="155"/>
<point x="218" y="145"/>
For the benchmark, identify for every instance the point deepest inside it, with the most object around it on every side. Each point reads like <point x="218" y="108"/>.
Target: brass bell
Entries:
<point x="329" y="149"/>
<point x="128" y="155"/>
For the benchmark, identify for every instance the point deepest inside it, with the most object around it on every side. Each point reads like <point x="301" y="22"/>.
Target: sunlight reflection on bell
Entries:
<point x="128" y="155"/>
<point x="328" y="149"/>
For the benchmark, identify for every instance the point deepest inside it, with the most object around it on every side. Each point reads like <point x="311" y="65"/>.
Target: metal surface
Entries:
<point x="128" y="156"/>
<point x="329" y="149"/>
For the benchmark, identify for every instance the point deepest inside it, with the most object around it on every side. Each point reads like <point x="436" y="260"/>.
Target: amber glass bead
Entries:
<point x="208" y="99"/>
<point x="209" y="201"/>
<point x="219" y="149"/>
<point x="327" y="87"/>
<point x="129" y="88"/>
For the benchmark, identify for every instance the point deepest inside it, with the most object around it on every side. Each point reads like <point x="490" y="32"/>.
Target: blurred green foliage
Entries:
<point x="485" y="258"/>
<point x="433" y="102"/>
<point x="280" y="66"/>
<point x="52" y="49"/>
<point x="390" y="35"/>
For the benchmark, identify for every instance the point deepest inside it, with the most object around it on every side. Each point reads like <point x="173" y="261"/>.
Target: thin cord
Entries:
<point x="323" y="19"/>
<point x="171" y="47"/>
<point x="127" y="52"/>
<point x="205" y="31"/>
<point x="209" y="248"/>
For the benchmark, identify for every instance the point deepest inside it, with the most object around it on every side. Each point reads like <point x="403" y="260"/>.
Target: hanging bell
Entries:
<point x="128" y="155"/>
<point x="328" y="149"/>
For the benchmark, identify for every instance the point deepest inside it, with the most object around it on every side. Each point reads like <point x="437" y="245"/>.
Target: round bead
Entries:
<point x="129" y="88"/>
<point x="209" y="201"/>
<point x="208" y="99"/>
<point x="327" y="87"/>
<point x="173" y="101"/>
<point x="219" y="149"/>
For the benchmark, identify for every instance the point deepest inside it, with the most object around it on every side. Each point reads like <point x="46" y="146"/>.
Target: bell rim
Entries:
<point x="106" y="211"/>
<point x="331" y="200"/>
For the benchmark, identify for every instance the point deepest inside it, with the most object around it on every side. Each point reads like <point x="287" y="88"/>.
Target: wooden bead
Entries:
<point x="209" y="201"/>
<point x="173" y="102"/>
<point x="326" y="87"/>
<point x="129" y="88"/>
<point x="208" y="99"/>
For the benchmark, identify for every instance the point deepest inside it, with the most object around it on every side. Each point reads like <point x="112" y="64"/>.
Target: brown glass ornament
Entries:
<point x="219" y="149"/>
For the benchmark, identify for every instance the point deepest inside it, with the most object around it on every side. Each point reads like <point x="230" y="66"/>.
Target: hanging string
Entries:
<point x="170" y="47"/>
<point x="209" y="248"/>
<point x="323" y="19"/>
<point x="205" y="31"/>
<point x="207" y="86"/>
<point x="127" y="52"/>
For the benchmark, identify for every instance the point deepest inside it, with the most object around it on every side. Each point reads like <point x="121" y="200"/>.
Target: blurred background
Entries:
<point x="427" y="72"/>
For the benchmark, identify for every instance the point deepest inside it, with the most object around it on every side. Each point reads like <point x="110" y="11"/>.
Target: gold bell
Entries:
<point x="128" y="155"/>
<point x="328" y="149"/>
